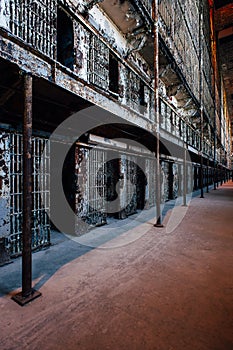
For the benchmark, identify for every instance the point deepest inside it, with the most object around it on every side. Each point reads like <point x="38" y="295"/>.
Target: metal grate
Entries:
<point x="150" y="169"/>
<point x="148" y="5"/>
<point x="128" y="171"/>
<point x="40" y="222"/>
<point x="91" y="185"/>
<point x="98" y="63"/>
<point x="34" y="21"/>
<point x="97" y="186"/>
<point x="41" y="182"/>
<point x="16" y="175"/>
<point x="133" y="89"/>
<point x="164" y="181"/>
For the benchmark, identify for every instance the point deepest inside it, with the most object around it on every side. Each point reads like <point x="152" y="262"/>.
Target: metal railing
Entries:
<point x="34" y="21"/>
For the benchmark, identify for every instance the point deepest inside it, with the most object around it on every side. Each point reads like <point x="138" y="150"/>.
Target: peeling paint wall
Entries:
<point x="5" y="14"/>
<point x="81" y="47"/>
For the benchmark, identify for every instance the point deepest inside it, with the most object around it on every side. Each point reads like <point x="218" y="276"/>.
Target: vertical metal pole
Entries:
<point x="28" y="293"/>
<point x="157" y="119"/>
<point x="27" y="188"/>
<point x="207" y="177"/>
<point x="201" y="92"/>
<point x="213" y="46"/>
<point x="185" y="177"/>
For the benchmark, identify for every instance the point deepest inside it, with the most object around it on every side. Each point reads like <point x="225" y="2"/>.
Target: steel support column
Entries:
<point x="185" y="177"/>
<point x="157" y="119"/>
<point x="201" y="93"/>
<point x="28" y="293"/>
<point x="214" y="65"/>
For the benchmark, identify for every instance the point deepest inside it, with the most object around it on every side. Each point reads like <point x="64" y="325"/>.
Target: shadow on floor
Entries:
<point x="63" y="250"/>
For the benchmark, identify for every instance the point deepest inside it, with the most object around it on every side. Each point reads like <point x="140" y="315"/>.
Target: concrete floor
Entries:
<point x="165" y="290"/>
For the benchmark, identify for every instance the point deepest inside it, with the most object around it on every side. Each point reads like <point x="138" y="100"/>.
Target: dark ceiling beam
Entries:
<point x="225" y="33"/>
<point x="224" y="17"/>
<point x="9" y="92"/>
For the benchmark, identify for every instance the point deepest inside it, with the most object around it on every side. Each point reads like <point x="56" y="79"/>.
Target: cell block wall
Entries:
<point x="175" y="124"/>
<point x="34" y="21"/>
<point x="179" y="21"/>
<point x="40" y="194"/>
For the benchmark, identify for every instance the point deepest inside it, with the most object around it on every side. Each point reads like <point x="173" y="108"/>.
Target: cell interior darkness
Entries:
<point x="65" y="39"/>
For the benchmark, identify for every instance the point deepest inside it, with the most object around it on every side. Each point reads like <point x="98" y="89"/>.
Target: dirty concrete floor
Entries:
<point x="166" y="290"/>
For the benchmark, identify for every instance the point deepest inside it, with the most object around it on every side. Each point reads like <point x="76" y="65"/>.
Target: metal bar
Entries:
<point x="185" y="177"/>
<point x="28" y="293"/>
<point x="201" y="92"/>
<point x="27" y="187"/>
<point x="155" y="15"/>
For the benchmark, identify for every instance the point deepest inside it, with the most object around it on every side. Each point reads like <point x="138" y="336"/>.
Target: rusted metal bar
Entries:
<point x="201" y="93"/>
<point x="155" y="15"/>
<point x="28" y="293"/>
<point x="27" y="186"/>
<point x="185" y="177"/>
<point x="214" y="65"/>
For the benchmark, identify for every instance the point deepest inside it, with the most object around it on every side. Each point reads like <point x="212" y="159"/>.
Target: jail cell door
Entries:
<point x="150" y="195"/>
<point x="90" y="186"/>
<point x="173" y="180"/>
<point x="97" y="187"/>
<point x="128" y="179"/>
<point x="164" y="181"/>
<point x="40" y="193"/>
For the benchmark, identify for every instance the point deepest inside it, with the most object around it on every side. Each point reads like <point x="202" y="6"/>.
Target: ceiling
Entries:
<point x="221" y="3"/>
<point x="224" y="28"/>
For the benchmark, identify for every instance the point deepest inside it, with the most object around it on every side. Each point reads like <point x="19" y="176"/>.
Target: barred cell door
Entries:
<point x="91" y="186"/>
<point x="128" y="194"/>
<point x="40" y="194"/>
<point x="97" y="187"/>
<point x="150" y="171"/>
